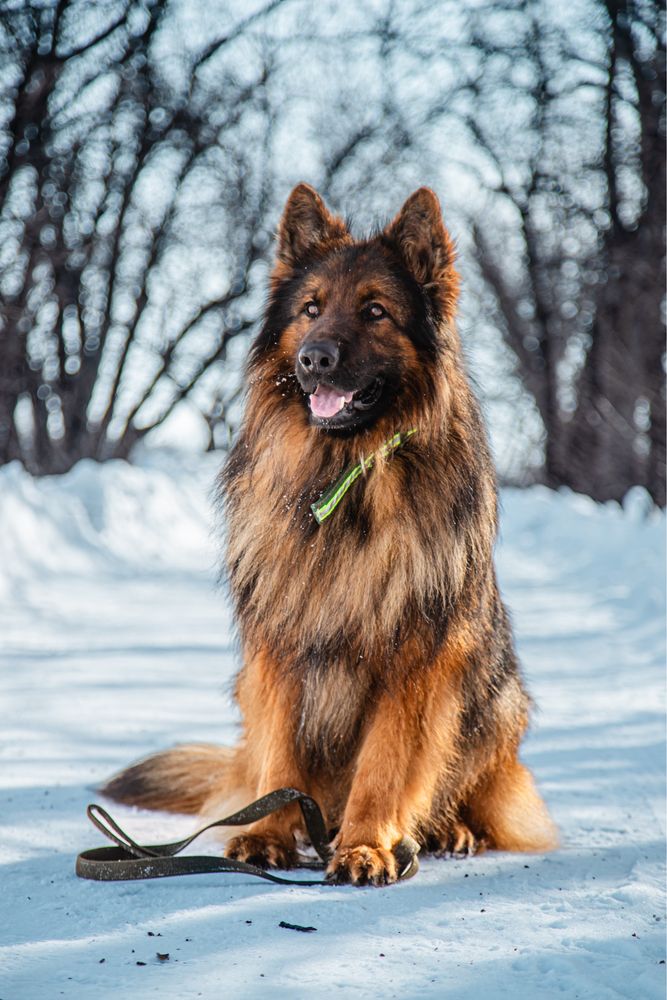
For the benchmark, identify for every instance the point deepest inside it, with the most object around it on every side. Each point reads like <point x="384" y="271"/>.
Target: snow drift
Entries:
<point x="115" y="642"/>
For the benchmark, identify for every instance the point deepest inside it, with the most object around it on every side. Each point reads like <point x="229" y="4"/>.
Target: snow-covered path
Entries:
<point x="113" y="642"/>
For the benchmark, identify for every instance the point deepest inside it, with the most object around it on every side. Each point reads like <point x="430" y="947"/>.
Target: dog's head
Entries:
<point x="356" y="327"/>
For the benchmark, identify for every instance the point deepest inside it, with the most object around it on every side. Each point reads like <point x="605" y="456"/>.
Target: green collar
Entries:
<point x="328" y="502"/>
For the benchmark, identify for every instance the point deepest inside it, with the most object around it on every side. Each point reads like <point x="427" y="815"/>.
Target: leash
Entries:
<point x="129" y="860"/>
<point x="328" y="502"/>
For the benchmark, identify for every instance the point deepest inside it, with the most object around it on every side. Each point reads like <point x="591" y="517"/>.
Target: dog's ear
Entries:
<point x="419" y="235"/>
<point x="307" y="228"/>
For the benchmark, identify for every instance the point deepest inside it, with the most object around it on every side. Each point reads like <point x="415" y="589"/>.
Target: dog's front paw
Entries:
<point x="363" y="866"/>
<point x="263" y="850"/>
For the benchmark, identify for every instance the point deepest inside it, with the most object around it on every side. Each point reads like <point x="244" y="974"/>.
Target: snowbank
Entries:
<point x="112" y="518"/>
<point x="115" y="642"/>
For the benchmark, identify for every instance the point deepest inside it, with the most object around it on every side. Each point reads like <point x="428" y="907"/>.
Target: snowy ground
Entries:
<point x="113" y="642"/>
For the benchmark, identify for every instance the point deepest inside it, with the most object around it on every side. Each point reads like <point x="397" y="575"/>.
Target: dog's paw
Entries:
<point x="363" y="866"/>
<point x="263" y="850"/>
<point x="457" y="841"/>
<point x="462" y="842"/>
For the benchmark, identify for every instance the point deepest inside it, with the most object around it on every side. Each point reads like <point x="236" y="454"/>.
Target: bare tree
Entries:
<point x="573" y="248"/>
<point x="146" y="147"/>
<point x="101" y="154"/>
<point x="138" y="188"/>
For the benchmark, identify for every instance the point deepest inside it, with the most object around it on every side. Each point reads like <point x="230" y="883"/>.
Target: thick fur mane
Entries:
<point x="384" y="542"/>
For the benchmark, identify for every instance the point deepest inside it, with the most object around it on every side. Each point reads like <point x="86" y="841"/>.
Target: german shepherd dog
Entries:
<point x="379" y="673"/>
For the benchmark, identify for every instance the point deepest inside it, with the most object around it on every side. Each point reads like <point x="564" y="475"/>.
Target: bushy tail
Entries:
<point x="184" y="779"/>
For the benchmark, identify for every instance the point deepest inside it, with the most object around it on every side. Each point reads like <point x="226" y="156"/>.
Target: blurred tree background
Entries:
<point x="147" y="146"/>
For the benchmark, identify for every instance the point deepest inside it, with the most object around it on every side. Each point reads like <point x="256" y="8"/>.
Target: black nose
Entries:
<point x="319" y="357"/>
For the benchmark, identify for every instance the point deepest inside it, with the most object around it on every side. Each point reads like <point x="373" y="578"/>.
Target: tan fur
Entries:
<point x="508" y="806"/>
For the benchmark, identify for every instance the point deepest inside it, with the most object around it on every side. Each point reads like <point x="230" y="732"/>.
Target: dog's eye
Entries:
<point x="311" y="309"/>
<point x="375" y="311"/>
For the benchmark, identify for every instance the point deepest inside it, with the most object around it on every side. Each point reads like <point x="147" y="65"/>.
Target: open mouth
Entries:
<point x="327" y="402"/>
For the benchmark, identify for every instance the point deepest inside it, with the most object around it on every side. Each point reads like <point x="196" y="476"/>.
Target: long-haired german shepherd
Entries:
<point x="379" y="673"/>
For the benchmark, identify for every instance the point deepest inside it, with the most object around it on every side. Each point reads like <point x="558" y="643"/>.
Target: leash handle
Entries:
<point x="130" y="860"/>
<point x="107" y="825"/>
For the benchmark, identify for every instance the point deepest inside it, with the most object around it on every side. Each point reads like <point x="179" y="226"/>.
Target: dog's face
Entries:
<point x="358" y="324"/>
<point x="352" y="317"/>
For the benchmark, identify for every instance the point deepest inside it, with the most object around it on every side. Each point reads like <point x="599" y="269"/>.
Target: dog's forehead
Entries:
<point x="361" y="272"/>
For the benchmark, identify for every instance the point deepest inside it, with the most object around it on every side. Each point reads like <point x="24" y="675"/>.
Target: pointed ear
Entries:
<point x="419" y="235"/>
<point x="307" y="227"/>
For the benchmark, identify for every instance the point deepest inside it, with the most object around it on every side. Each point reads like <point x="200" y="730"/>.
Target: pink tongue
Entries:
<point x="326" y="402"/>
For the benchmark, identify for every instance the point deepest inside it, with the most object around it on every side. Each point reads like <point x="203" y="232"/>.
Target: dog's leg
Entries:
<point x="267" y="701"/>
<point x="408" y="746"/>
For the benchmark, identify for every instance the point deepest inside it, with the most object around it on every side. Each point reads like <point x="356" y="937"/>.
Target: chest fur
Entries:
<point x="333" y="707"/>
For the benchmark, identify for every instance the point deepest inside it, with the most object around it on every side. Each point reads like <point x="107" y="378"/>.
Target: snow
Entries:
<point x="115" y="641"/>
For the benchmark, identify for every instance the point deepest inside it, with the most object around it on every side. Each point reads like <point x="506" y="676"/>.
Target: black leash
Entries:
<point x="129" y="860"/>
